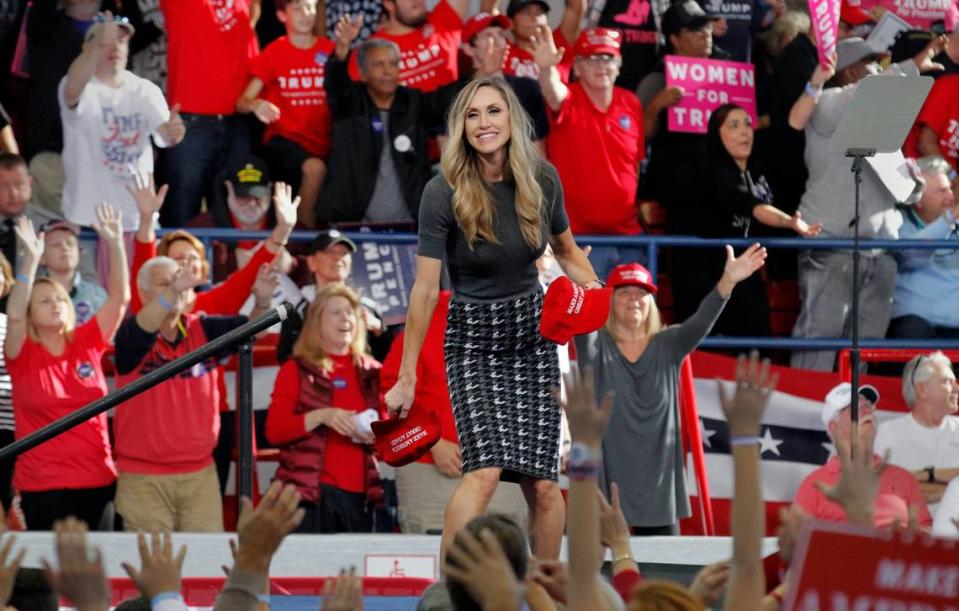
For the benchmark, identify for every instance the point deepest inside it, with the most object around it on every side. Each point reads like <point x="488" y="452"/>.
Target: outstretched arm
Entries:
<point x="31" y="249"/>
<point x="547" y="57"/>
<point x="110" y="230"/>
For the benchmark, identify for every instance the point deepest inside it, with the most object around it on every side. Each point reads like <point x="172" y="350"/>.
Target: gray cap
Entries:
<point x="852" y="50"/>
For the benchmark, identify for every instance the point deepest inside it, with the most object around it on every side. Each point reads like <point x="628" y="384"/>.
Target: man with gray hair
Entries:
<point x="926" y="441"/>
<point x="378" y="164"/>
<point x="927" y="286"/>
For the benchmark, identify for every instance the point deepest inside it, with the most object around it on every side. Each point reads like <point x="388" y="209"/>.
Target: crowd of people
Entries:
<point x="499" y="140"/>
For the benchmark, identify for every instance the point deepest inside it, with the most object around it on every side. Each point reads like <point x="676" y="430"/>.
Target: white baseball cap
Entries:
<point x="838" y="399"/>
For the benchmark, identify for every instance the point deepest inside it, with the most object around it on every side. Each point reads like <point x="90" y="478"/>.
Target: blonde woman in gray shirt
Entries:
<point x="638" y="359"/>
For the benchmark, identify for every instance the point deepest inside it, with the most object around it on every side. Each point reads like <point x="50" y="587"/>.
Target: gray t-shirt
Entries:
<point x="642" y="449"/>
<point x="387" y="204"/>
<point x="489" y="271"/>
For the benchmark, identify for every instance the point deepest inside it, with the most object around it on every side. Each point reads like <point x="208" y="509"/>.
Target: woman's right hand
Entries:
<point x="400" y="398"/>
<point x="31" y="242"/>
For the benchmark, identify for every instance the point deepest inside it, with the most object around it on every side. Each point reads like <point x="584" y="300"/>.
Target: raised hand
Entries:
<point x="285" y="204"/>
<point x="174" y="130"/>
<point x="545" y="53"/>
<point x="710" y="582"/>
<point x="858" y="481"/>
<point x="345" y="32"/>
<point x="491" y="57"/>
<point x="266" y="111"/>
<point x="267" y="279"/>
<point x="553" y="575"/>
<point x="109" y="224"/>
<point x="754" y="385"/>
<point x="739" y="268"/>
<point x="822" y="73"/>
<point x="797" y="224"/>
<point x="481" y="566"/>
<point x="31" y="241"/>
<point x="159" y="570"/>
<point x="80" y="577"/>
<point x="613" y="529"/>
<point x="924" y="58"/>
<point x="9" y="568"/>
<point x="345" y="593"/>
<point x="149" y="200"/>
<point x="587" y="421"/>
<point x="261" y="530"/>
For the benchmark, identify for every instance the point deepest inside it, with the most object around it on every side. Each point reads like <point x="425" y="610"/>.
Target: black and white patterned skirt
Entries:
<point x="501" y="372"/>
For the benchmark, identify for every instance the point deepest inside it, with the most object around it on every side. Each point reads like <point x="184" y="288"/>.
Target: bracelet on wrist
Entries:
<point x="742" y="440"/>
<point x="164" y="303"/>
<point x="622" y="557"/>
<point x="164" y="596"/>
<point x="23" y="278"/>
<point x="584" y="471"/>
<point x="812" y="91"/>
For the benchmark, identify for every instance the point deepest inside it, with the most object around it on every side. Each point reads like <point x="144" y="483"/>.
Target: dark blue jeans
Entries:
<point x="212" y="144"/>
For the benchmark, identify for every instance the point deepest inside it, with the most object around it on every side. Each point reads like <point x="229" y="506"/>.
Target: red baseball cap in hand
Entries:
<point x="401" y="442"/>
<point x="569" y="309"/>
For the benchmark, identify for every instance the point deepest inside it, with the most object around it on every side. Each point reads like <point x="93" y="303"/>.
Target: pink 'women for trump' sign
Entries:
<point x="825" y="26"/>
<point x="707" y="84"/>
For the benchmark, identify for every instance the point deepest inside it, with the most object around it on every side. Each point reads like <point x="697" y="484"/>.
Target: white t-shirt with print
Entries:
<point x="106" y="135"/>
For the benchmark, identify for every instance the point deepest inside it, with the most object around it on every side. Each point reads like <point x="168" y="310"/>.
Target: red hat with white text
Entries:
<point x="570" y="310"/>
<point x="598" y="41"/>
<point x="480" y="21"/>
<point x="631" y="274"/>
<point x="402" y="441"/>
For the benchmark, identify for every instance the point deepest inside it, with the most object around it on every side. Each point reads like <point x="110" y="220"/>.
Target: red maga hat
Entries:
<point x="569" y="309"/>
<point x="854" y="15"/>
<point x="401" y="442"/>
<point x="597" y="41"/>
<point x="480" y="21"/>
<point x="631" y="274"/>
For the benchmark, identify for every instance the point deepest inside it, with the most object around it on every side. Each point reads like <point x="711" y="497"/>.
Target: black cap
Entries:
<point x="909" y="43"/>
<point x="516" y="6"/>
<point x="325" y="239"/>
<point x="250" y="178"/>
<point x="687" y="14"/>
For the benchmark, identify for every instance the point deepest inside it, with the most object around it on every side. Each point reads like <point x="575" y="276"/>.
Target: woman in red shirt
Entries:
<point x="56" y="369"/>
<point x="322" y="403"/>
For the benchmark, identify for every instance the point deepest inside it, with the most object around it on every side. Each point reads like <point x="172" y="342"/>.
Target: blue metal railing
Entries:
<point x="653" y="243"/>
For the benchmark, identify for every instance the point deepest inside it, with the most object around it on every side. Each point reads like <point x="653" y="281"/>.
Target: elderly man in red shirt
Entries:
<point x="593" y="115"/>
<point x="898" y="488"/>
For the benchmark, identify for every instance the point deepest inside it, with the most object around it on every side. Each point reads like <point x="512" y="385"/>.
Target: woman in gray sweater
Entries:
<point x="638" y="359"/>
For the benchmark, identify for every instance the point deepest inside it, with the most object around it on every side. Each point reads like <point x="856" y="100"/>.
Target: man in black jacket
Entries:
<point x="378" y="164"/>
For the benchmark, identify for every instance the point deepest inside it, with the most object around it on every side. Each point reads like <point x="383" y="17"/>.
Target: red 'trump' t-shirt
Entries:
<point x="519" y="62"/>
<point x="293" y="81"/>
<point x="600" y="186"/>
<point x="428" y="54"/>
<point x="940" y="113"/>
<point x="210" y="43"/>
<point x="48" y="387"/>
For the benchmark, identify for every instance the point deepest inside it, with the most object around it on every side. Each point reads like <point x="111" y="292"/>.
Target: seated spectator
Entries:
<point x="427" y="43"/>
<point x="55" y="36"/>
<point x="592" y="114"/>
<point x="55" y="368"/>
<point x="937" y="126"/>
<point x="486" y="46"/>
<point x="928" y="280"/>
<point x="323" y="402"/>
<point x="330" y="259"/>
<point x="109" y="116"/>
<point x="528" y="16"/>
<point x="227" y="297"/>
<point x="425" y="487"/>
<point x="638" y="359"/>
<point x="243" y="202"/>
<point x="165" y="436"/>
<point x="732" y="194"/>
<point x="61" y="260"/>
<point x="926" y="441"/>
<point x="826" y="275"/>
<point x="16" y="200"/>
<point x="378" y="164"/>
<point x="898" y="488"/>
<point x="286" y="93"/>
<point x="671" y="178"/>
<point x="208" y="53"/>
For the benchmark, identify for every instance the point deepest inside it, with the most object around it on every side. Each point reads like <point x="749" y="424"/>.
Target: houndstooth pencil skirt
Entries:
<point x="501" y="373"/>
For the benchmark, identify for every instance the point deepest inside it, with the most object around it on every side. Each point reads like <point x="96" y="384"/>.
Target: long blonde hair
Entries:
<point x="662" y="595"/>
<point x="652" y="325"/>
<point x="472" y="200"/>
<point x="70" y="317"/>
<point x="309" y="345"/>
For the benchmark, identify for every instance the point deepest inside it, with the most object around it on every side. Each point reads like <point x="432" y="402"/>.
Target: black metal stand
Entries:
<point x="859" y="160"/>
<point x="224" y="342"/>
<point x="244" y="407"/>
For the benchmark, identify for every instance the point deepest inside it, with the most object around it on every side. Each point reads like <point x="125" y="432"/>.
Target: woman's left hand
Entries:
<point x="109" y="226"/>
<point x="797" y="224"/>
<point x="741" y="267"/>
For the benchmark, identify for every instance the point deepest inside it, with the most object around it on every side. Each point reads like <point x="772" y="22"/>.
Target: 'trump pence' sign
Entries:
<point x="825" y="26"/>
<point x="707" y="84"/>
<point x="844" y="567"/>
